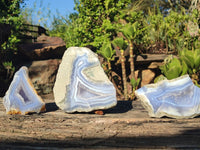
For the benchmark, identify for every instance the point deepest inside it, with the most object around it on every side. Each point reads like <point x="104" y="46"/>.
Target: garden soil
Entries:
<point x="126" y="126"/>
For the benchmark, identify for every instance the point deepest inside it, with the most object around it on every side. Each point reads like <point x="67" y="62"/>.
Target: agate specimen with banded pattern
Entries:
<point x="21" y="97"/>
<point x="81" y="84"/>
<point x="176" y="98"/>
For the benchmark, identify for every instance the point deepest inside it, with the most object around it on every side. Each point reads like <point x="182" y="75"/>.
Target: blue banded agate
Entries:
<point x="87" y="87"/>
<point x="177" y="98"/>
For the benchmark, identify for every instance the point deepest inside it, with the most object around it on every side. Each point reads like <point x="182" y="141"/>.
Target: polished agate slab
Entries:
<point x="21" y="97"/>
<point x="177" y="98"/>
<point x="81" y="84"/>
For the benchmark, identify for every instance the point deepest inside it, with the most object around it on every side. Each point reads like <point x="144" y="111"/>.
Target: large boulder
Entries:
<point x="45" y="48"/>
<point x="81" y="84"/>
<point x="146" y="75"/>
<point x="43" y="74"/>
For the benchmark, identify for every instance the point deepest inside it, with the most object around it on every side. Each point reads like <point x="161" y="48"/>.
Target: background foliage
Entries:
<point x="147" y="26"/>
<point x="10" y="20"/>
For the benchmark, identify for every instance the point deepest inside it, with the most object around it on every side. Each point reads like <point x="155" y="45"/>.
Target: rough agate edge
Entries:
<point x="177" y="98"/>
<point x="81" y="84"/>
<point x="21" y="97"/>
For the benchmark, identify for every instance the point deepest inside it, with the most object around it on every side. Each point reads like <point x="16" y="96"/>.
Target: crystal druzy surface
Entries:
<point x="21" y="97"/>
<point x="177" y="98"/>
<point x="81" y="84"/>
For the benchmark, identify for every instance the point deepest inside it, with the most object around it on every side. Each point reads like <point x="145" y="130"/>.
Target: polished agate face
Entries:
<point x="21" y="97"/>
<point x="177" y="98"/>
<point x="83" y="83"/>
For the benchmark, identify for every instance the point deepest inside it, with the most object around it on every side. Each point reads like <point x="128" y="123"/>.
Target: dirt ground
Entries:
<point x="126" y="126"/>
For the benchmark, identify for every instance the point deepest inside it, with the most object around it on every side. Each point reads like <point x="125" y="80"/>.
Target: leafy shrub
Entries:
<point x="160" y="27"/>
<point x="94" y="23"/>
<point x="9" y="15"/>
<point x="171" y="32"/>
<point x="174" y="68"/>
<point x="187" y="63"/>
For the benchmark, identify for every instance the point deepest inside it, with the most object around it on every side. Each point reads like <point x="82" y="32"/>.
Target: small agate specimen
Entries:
<point x="176" y="98"/>
<point x="21" y="97"/>
<point x="81" y="84"/>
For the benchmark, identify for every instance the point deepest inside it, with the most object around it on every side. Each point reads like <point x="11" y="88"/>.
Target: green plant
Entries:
<point x="173" y="68"/>
<point x="188" y="63"/>
<point x="135" y="83"/>
<point x="171" y="32"/>
<point x="94" y="21"/>
<point x="107" y="52"/>
<point x="192" y="60"/>
<point x="67" y="29"/>
<point x="159" y="78"/>
<point x="9" y="68"/>
<point x="131" y="33"/>
<point x="10" y="16"/>
<point x="11" y="44"/>
<point x="147" y="26"/>
<point x="120" y="45"/>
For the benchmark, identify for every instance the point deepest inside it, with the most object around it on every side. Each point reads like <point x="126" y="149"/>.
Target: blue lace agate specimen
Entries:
<point x="81" y="84"/>
<point x="177" y="98"/>
<point x="21" y="97"/>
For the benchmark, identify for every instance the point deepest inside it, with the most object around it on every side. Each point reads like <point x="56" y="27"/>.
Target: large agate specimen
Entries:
<point x="81" y="84"/>
<point x="21" y="97"/>
<point x="177" y="98"/>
